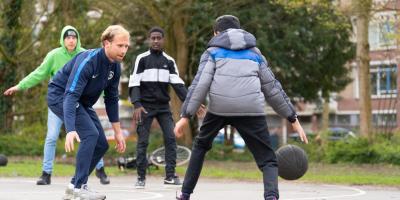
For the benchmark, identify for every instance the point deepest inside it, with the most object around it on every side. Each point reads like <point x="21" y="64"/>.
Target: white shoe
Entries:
<point x="172" y="182"/>
<point x="140" y="183"/>
<point x="69" y="194"/>
<point x="86" y="194"/>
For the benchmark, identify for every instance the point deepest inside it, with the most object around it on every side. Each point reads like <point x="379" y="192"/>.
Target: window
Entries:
<point x="386" y="119"/>
<point x="382" y="31"/>
<point x="343" y="119"/>
<point x="384" y="80"/>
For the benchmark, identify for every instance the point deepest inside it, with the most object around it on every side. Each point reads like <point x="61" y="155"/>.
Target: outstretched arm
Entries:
<point x="200" y="86"/>
<point x="197" y="92"/>
<point x="176" y="81"/>
<point x="277" y="98"/>
<point x="39" y="74"/>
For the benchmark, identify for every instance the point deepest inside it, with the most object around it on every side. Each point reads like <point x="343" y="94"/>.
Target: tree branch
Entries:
<point x="153" y="10"/>
<point x="7" y="57"/>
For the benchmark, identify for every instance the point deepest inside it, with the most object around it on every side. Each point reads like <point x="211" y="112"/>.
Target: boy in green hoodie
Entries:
<point x="55" y="60"/>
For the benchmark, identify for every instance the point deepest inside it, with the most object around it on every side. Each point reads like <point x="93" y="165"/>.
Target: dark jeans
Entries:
<point x="254" y="132"/>
<point x="164" y="118"/>
<point x="93" y="143"/>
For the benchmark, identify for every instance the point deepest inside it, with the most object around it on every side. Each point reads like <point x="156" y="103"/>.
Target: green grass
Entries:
<point x="32" y="168"/>
<point x="385" y="175"/>
<point x="365" y="174"/>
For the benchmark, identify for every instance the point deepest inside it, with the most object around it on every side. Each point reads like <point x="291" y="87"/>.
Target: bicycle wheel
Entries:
<point x="157" y="157"/>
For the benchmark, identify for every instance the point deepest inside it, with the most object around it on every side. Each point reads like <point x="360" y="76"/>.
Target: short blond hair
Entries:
<point x="111" y="32"/>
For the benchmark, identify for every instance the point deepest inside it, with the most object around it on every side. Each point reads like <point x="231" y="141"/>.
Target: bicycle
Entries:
<point x="156" y="159"/>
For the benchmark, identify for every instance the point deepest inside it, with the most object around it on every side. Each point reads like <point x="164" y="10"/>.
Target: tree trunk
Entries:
<point x="178" y="45"/>
<point x="362" y="10"/>
<point x="325" y="114"/>
<point x="397" y="103"/>
<point x="8" y="42"/>
<point x="229" y="134"/>
<point x="66" y="8"/>
<point x="322" y="133"/>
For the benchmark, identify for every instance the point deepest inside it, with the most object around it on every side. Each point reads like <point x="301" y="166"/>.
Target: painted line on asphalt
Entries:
<point x="153" y="195"/>
<point x="359" y="192"/>
<point x="156" y="195"/>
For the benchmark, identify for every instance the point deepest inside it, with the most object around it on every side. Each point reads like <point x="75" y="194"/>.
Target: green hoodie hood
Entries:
<point x="78" y="42"/>
<point x="53" y="61"/>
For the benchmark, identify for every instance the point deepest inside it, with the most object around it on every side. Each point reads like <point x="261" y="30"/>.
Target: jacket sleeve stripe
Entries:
<point x="172" y="59"/>
<point x="76" y="77"/>
<point x="135" y="77"/>
<point x="174" y="74"/>
<point x="175" y="79"/>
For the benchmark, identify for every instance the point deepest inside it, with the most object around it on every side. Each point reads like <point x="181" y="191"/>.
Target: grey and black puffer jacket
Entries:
<point x="237" y="77"/>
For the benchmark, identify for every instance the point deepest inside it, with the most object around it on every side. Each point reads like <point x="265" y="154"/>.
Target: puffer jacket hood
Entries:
<point x="233" y="39"/>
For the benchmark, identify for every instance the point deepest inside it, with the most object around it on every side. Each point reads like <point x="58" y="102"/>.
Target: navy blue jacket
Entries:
<point x="81" y="82"/>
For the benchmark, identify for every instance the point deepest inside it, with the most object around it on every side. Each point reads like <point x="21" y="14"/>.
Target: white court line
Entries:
<point x="154" y="195"/>
<point x="359" y="192"/>
<point x="16" y="181"/>
<point x="149" y="188"/>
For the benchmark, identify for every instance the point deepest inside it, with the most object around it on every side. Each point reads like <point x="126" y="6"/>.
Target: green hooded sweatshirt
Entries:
<point x="53" y="61"/>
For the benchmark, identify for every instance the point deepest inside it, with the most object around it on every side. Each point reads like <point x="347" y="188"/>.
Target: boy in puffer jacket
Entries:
<point x="238" y="80"/>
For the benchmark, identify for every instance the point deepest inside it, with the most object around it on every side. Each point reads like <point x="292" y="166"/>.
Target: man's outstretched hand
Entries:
<point x="10" y="91"/>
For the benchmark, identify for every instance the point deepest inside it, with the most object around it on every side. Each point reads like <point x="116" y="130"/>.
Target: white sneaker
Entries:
<point x="172" y="182"/>
<point x="86" y="194"/>
<point x="69" y="194"/>
<point x="140" y="183"/>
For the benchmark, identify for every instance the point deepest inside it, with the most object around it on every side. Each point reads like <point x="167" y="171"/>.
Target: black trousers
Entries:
<point x="254" y="132"/>
<point x="164" y="118"/>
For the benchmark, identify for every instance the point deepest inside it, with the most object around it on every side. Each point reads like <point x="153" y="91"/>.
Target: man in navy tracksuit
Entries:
<point x="72" y="93"/>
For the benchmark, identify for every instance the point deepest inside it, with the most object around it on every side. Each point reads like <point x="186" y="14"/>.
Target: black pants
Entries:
<point x="164" y="118"/>
<point x="254" y="132"/>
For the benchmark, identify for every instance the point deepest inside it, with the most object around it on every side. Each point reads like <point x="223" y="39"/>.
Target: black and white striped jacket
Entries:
<point x="152" y="73"/>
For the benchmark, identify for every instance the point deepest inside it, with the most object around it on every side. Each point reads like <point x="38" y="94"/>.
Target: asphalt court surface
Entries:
<point x="122" y="188"/>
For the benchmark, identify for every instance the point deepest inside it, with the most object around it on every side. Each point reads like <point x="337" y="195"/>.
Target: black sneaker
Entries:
<point x="141" y="182"/>
<point x="271" y="198"/>
<point x="45" y="179"/>
<point x="101" y="174"/>
<point x="172" y="181"/>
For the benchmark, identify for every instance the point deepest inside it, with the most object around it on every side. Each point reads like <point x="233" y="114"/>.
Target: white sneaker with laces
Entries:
<point x="69" y="194"/>
<point x="86" y="194"/>
<point x="172" y="182"/>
